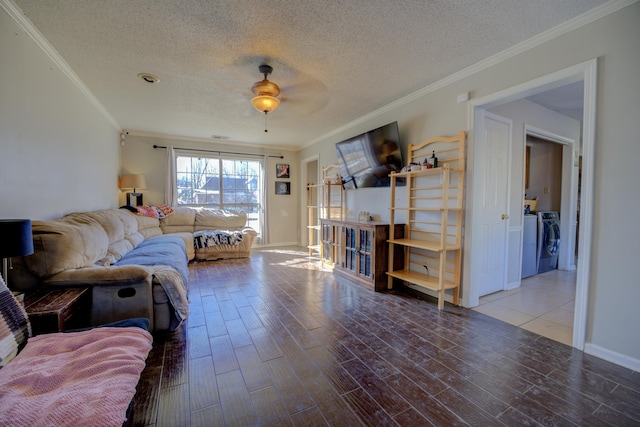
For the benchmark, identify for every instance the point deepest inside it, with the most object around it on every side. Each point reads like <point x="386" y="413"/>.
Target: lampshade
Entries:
<point x="16" y="238"/>
<point x="133" y="181"/>
<point x="265" y="103"/>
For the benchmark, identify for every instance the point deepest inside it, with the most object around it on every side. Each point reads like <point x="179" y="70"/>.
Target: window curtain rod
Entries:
<point x="220" y="152"/>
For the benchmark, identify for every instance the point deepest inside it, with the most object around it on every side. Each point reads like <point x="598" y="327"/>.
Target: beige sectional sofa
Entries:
<point x="135" y="265"/>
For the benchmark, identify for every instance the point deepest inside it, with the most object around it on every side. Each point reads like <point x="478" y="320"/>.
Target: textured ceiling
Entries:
<point x="334" y="60"/>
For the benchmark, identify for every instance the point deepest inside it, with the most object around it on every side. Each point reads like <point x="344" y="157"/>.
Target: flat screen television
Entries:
<point x="366" y="160"/>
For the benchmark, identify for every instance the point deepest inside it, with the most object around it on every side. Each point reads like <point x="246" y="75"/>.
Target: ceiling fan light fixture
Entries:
<point x="265" y="103"/>
<point x="266" y="92"/>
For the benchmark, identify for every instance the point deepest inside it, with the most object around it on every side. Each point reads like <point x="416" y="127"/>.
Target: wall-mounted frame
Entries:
<point x="282" y="170"/>
<point x="283" y="187"/>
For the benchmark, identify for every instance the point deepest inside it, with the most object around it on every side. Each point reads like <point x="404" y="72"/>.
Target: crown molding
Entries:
<point x="19" y="17"/>
<point x="570" y="25"/>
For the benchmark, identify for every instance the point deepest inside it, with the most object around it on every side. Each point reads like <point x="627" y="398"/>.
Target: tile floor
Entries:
<point x="543" y="304"/>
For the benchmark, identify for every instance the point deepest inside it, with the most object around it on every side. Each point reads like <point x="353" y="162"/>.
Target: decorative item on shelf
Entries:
<point x="434" y="160"/>
<point x="364" y="216"/>
<point x="16" y="239"/>
<point x="135" y="182"/>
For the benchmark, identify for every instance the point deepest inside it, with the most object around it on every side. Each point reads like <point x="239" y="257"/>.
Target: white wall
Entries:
<point x="139" y="156"/>
<point x="58" y="152"/>
<point x="613" y="288"/>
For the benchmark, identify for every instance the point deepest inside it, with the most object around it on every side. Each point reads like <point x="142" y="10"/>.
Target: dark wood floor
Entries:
<point x="276" y="340"/>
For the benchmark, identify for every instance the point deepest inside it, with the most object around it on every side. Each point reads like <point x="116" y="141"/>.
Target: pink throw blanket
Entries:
<point x="83" y="378"/>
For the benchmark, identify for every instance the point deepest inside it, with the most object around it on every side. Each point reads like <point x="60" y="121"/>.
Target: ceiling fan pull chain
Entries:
<point x="265" y="122"/>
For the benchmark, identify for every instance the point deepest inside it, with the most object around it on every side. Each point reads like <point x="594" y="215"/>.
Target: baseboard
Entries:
<point x="271" y="245"/>
<point x="612" y="356"/>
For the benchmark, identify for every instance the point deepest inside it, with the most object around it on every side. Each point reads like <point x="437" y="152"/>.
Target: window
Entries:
<point x="222" y="183"/>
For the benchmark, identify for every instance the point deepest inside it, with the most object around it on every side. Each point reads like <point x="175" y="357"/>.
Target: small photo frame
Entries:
<point x="282" y="170"/>
<point x="283" y="187"/>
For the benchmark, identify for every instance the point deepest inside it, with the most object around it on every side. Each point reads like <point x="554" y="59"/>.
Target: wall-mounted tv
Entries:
<point x="367" y="160"/>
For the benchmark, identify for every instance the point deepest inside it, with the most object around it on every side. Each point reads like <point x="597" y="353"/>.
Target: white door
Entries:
<point x="493" y="178"/>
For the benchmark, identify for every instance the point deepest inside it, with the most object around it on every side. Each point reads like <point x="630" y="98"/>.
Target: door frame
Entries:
<point x="587" y="72"/>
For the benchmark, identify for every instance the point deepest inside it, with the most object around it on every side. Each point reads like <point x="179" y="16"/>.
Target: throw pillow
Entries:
<point x="15" y="328"/>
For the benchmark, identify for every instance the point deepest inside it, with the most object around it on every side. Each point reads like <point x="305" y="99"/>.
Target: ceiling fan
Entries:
<point x="266" y="94"/>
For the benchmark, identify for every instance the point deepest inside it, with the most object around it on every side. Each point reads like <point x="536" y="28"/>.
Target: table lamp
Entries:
<point x="15" y="240"/>
<point x="134" y="181"/>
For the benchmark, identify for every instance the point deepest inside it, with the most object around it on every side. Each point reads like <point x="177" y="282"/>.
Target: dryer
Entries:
<point x="548" y="240"/>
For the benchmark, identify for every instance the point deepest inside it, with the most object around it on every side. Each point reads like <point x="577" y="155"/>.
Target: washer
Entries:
<point x="548" y="240"/>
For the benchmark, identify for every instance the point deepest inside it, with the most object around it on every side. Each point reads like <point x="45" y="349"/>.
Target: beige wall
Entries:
<point x="58" y="153"/>
<point x="139" y="156"/>
<point x="613" y="287"/>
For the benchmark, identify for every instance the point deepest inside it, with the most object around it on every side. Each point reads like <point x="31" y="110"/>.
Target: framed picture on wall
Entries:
<point x="282" y="170"/>
<point x="283" y="187"/>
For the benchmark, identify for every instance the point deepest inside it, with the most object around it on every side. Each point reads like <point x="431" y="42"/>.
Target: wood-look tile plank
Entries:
<point x="239" y="299"/>
<point x="336" y="374"/>
<point x="254" y="372"/>
<point x="368" y="409"/>
<point x="423" y="402"/>
<point x="174" y="406"/>
<point x="203" y="389"/>
<point x="285" y="381"/>
<point x="224" y="358"/>
<point x="615" y="418"/>
<point x="228" y="309"/>
<point x="264" y="344"/>
<point x="296" y="356"/>
<point x="237" y="407"/>
<point x="238" y="333"/>
<point x="309" y="418"/>
<point x="215" y="324"/>
<point x="209" y="304"/>
<point x="411" y="418"/>
<point x="250" y="318"/>
<point x="269" y="408"/>
<point x="578" y="410"/>
<point x="333" y="408"/>
<point x="468" y="411"/>
<point x="376" y="388"/>
<point x="207" y="417"/>
<point x="475" y="394"/>
<point x="145" y="401"/>
<point x="198" y="342"/>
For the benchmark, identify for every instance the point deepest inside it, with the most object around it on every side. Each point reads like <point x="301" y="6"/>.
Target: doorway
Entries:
<point x="543" y="301"/>
<point x="585" y="72"/>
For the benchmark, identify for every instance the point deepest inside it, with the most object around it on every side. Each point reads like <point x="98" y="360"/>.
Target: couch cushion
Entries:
<point x="217" y="219"/>
<point x="148" y="227"/>
<point x="181" y="220"/>
<point x="122" y="228"/>
<point x="71" y="242"/>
